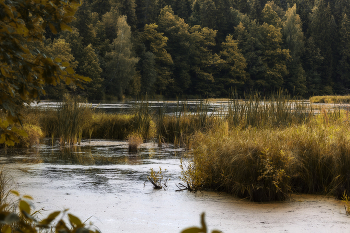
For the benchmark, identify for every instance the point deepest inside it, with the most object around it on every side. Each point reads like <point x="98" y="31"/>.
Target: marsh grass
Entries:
<point x="179" y="127"/>
<point x="266" y="164"/>
<point x="134" y="141"/>
<point x="6" y="184"/>
<point x="278" y="110"/>
<point x="330" y="99"/>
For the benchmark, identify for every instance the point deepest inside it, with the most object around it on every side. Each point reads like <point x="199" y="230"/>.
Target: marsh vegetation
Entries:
<point x="260" y="149"/>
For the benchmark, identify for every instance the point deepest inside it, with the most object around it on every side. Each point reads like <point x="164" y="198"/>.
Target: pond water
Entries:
<point x="102" y="183"/>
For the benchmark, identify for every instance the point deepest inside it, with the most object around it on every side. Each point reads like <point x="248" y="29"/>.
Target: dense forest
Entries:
<point x="205" y="48"/>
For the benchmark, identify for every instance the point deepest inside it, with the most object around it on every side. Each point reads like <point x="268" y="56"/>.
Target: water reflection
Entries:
<point x="98" y="152"/>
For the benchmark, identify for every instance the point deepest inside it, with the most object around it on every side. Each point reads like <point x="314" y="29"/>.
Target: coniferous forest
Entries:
<point x="205" y="48"/>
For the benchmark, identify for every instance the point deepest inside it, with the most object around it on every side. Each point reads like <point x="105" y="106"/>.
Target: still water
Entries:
<point x="99" y="181"/>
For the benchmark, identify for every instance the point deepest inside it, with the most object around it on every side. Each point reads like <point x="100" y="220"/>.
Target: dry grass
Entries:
<point x="135" y="141"/>
<point x="330" y="99"/>
<point x="265" y="164"/>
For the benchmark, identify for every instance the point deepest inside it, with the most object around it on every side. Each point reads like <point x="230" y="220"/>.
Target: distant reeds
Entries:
<point x="330" y="99"/>
<point x="276" y="111"/>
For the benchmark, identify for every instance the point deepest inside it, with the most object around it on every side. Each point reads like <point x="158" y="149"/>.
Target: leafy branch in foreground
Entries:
<point x="203" y="229"/>
<point x="24" y="221"/>
<point x="24" y="69"/>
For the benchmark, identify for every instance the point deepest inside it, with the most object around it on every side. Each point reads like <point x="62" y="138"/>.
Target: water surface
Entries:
<point x="100" y="181"/>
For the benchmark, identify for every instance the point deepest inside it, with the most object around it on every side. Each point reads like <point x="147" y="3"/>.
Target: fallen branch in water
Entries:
<point x="184" y="187"/>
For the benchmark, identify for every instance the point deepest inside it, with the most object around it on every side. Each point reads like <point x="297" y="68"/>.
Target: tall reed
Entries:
<point x="182" y="124"/>
<point x="279" y="110"/>
<point x="68" y="121"/>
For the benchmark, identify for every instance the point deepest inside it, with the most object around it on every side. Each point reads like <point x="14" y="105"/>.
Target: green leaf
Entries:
<point x="193" y="230"/>
<point x="57" y="59"/>
<point x="74" y="221"/>
<point x="24" y="206"/>
<point x="70" y="70"/>
<point x="49" y="218"/>
<point x="7" y="229"/>
<point x="82" y="230"/>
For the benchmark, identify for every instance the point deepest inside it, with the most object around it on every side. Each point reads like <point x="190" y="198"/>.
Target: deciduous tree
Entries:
<point x="24" y="71"/>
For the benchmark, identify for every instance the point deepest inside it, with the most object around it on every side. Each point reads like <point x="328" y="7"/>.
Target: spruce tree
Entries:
<point x="295" y="81"/>
<point x="232" y="75"/>
<point x="90" y="67"/>
<point x="120" y="62"/>
<point x="323" y="29"/>
<point x="343" y="69"/>
<point x="156" y="43"/>
<point x="148" y="74"/>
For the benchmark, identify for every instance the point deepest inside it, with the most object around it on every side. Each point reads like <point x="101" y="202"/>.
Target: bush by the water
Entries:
<point x="268" y="164"/>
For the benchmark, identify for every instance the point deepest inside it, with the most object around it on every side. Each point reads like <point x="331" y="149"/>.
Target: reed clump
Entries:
<point x="134" y="141"/>
<point x="266" y="164"/>
<point x="330" y="99"/>
<point x="179" y="127"/>
<point x="276" y="111"/>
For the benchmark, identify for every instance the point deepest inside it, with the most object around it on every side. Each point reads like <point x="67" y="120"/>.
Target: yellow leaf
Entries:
<point x="24" y="206"/>
<point x="57" y="59"/>
<point x="4" y="124"/>
<point x="4" y="72"/>
<point x="65" y="27"/>
<point x="53" y="29"/>
<point x="74" y="220"/>
<point x="70" y="70"/>
<point x="65" y="64"/>
<point x="7" y="229"/>
<point x="86" y="79"/>
<point x="28" y="197"/>
<point x="15" y="192"/>
<point x="50" y="218"/>
<point x="68" y="81"/>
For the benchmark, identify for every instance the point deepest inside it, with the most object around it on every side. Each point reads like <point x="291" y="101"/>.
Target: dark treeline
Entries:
<point x="206" y="48"/>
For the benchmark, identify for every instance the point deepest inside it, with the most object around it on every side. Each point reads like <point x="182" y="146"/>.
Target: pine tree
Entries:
<point x="312" y="61"/>
<point x="146" y="12"/>
<point x="202" y="60"/>
<point x="91" y="68"/>
<point x="149" y="73"/>
<point x="110" y="21"/>
<point x="120" y="62"/>
<point x="232" y="74"/>
<point x="83" y="23"/>
<point x="156" y="43"/>
<point x="323" y="29"/>
<point x="248" y="38"/>
<point x="343" y="69"/>
<point x="295" y="81"/>
<point x="274" y="59"/>
<point x="178" y="46"/>
<point x="182" y="8"/>
<point x="270" y="17"/>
